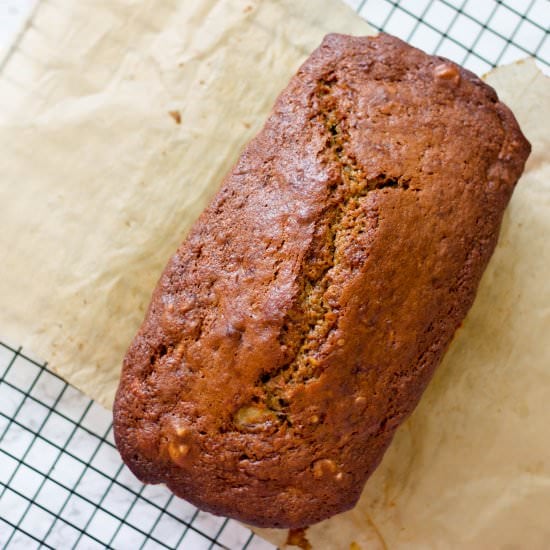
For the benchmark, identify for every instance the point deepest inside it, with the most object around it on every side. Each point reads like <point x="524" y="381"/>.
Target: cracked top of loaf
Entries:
<point x="298" y="324"/>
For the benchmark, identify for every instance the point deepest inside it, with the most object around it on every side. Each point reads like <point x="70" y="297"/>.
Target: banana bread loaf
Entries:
<point x="300" y="321"/>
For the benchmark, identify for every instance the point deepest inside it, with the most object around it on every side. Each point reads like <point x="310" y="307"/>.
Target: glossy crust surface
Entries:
<point x="300" y="321"/>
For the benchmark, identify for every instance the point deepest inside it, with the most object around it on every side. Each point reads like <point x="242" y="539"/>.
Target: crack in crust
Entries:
<point x="312" y="318"/>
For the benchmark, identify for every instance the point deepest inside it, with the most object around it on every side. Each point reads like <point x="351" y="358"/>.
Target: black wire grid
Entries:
<point x="62" y="483"/>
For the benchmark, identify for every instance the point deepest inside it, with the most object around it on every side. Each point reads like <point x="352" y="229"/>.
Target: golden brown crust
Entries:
<point x="298" y="324"/>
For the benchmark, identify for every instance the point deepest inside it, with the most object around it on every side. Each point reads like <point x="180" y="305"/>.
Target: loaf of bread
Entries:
<point x="300" y="321"/>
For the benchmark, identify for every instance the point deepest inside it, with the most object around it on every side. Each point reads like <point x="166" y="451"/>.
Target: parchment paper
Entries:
<point x="118" y="121"/>
<point x="100" y="183"/>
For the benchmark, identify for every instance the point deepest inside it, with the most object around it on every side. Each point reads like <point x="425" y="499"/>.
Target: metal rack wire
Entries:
<point x="477" y="34"/>
<point x="62" y="484"/>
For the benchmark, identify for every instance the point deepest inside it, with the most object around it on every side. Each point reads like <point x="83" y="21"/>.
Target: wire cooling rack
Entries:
<point x="62" y="484"/>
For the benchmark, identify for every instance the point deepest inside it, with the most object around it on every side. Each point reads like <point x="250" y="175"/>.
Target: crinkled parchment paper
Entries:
<point x="100" y="183"/>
